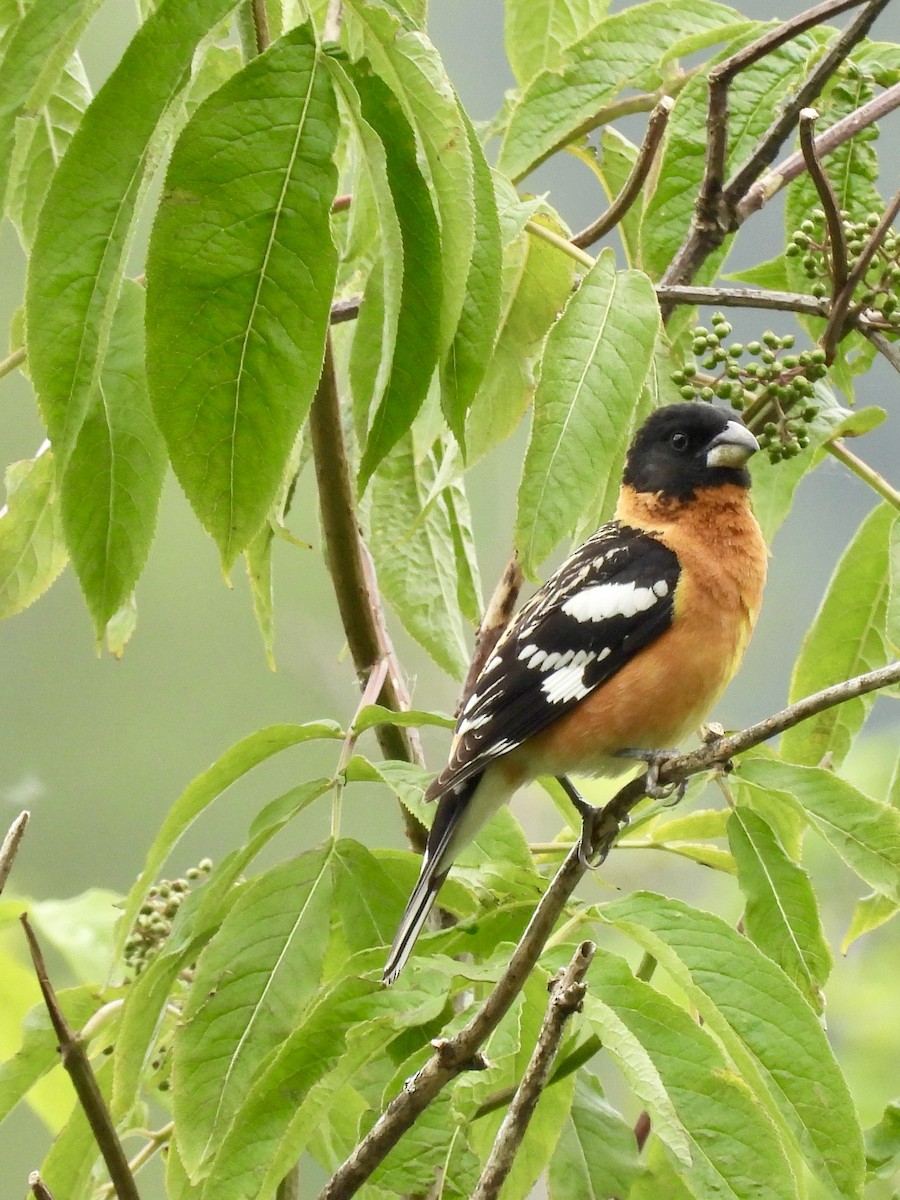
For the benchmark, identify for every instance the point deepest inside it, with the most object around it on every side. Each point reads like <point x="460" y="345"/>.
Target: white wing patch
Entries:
<point x="567" y="681"/>
<point x="604" y="601"/>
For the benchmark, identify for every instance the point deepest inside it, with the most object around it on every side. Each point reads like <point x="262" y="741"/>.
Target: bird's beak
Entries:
<point x="732" y="447"/>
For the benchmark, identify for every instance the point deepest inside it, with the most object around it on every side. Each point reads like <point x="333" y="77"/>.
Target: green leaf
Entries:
<point x="240" y="273"/>
<point x="771" y="274"/>
<point x="601" y="347"/>
<point x="32" y="547"/>
<point x="863" y="831"/>
<point x="597" y="1155"/>
<point x="375" y="714"/>
<point x="468" y="576"/>
<point x="617" y="158"/>
<point x="538" y="35"/>
<point x="88" y="219"/>
<point x="892" y="620"/>
<point x="754" y="96"/>
<point x="727" y="1145"/>
<point x="883" y="1143"/>
<point x="467" y="359"/>
<point x="37" y="55"/>
<point x="81" y="929"/>
<point x="870" y="913"/>
<point x="42" y="138"/>
<point x="251" y="984"/>
<point x="112" y="481"/>
<point x="845" y="639"/>
<point x="207" y="787"/>
<point x="351" y="1023"/>
<point x="368" y="901"/>
<point x="768" y="1029"/>
<point x="781" y="915"/>
<point x="417" y="348"/>
<point x="536" y="280"/>
<point x="415" y="557"/>
<point x="622" y="51"/>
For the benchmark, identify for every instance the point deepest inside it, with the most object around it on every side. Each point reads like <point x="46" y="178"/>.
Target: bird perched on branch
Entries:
<point x="624" y="649"/>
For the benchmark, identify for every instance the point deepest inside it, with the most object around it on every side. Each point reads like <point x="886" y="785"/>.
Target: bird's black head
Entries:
<point x="683" y="447"/>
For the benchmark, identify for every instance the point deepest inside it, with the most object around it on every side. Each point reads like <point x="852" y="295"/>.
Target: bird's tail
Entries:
<point x="417" y="909"/>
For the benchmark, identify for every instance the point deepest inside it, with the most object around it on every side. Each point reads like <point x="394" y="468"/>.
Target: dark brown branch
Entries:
<point x="566" y="997"/>
<point x="717" y="204"/>
<point x="656" y="129"/>
<point x="352" y="573"/>
<point x="10" y="847"/>
<point x="38" y="1187"/>
<point x="496" y="618"/>
<point x="834" y="331"/>
<point x="723" y="297"/>
<point x="461" y="1052"/>
<point x="881" y="344"/>
<point x="345" y="310"/>
<point x="774" y="138"/>
<point x="789" y="168"/>
<point x="76" y="1062"/>
<point x="827" y="199"/>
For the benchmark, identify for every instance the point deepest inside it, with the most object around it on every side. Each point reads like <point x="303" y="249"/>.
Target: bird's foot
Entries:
<point x="587" y="856"/>
<point x="656" y="760"/>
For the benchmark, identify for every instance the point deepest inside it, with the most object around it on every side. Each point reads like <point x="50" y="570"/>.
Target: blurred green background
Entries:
<point x="98" y="749"/>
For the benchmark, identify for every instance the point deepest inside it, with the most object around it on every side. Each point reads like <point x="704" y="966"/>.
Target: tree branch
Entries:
<point x="461" y="1052"/>
<point x="261" y="25"/>
<point x="789" y="168"/>
<point x="656" y="129"/>
<point x="352" y="573"/>
<point x="827" y="199"/>
<point x="38" y="1187"/>
<point x="10" y="847"/>
<point x="566" y="997"/>
<point x="723" y="297"/>
<point x="834" y="331"/>
<point x="78" y="1066"/>
<point x="881" y="344"/>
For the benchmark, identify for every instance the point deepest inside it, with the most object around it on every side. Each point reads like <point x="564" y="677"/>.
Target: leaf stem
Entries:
<point x="838" y="449"/>
<point x="9" y="364"/>
<point x="561" y="243"/>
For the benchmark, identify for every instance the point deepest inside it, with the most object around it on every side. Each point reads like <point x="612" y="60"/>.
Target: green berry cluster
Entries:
<point x="878" y="290"/>
<point x="158" y="912"/>
<point x="757" y="380"/>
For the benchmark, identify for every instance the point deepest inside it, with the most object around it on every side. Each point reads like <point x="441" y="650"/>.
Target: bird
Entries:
<point x="623" y="651"/>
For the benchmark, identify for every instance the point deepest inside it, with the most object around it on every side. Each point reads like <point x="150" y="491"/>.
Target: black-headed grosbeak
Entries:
<point x="623" y="650"/>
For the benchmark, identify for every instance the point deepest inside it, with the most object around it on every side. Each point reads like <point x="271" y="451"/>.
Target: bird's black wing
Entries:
<point x="613" y="596"/>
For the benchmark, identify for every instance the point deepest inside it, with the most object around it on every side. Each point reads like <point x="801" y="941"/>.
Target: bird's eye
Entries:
<point x="679" y="441"/>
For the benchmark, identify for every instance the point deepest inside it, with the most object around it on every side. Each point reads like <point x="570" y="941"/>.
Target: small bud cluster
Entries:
<point x="878" y="289"/>
<point x="158" y="912"/>
<point x="767" y="381"/>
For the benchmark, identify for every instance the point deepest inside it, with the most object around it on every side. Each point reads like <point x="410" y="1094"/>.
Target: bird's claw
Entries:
<point x="656" y="760"/>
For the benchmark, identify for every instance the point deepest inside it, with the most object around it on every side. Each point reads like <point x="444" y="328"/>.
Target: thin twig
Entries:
<point x="836" y="135"/>
<point x="881" y="344"/>
<point x="827" y="199"/>
<point x="771" y="142"/>
<point x="155" y="1142"/>
<point x="352" y="573"/>
<point x="461" y="1052"/>
<point x="9" y="364"/>
<point x="11" y="843"/>
<point x="656" y="129"/>
<point x="564" y="244"/>
<point x="496" y="618"/>
<point x="838" y="449"/>
<point x="566" y="997"/>
<point x="834" y="331"/>
<point x="723" y="297"/>
<point x="38" y="1187"/>
<point x="78" y="1065"/>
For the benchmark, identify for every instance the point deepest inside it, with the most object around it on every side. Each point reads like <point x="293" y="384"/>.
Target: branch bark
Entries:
<point x="353" y="575"/>
<point x="453" y="1055"/>
<point x="10" y="846"/>
<point x="566" y="997"/>
<point x="77" y="1064"/>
